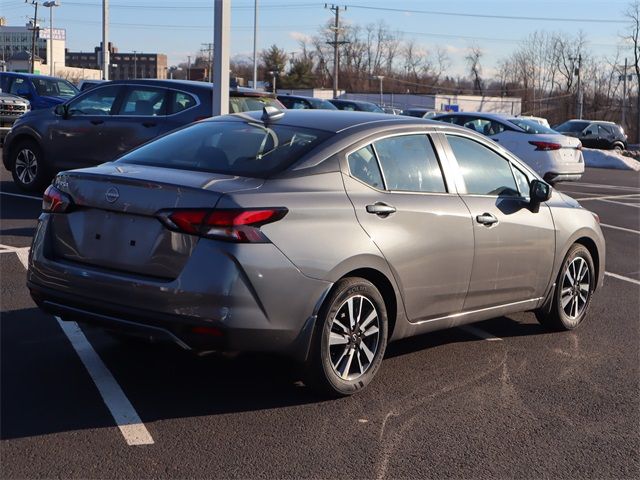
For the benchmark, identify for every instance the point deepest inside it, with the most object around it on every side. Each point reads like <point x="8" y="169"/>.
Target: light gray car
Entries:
<point x="316" y="234"/>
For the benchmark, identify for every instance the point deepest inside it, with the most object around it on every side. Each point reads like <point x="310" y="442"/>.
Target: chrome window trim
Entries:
<point x="430" y="139"/>
<point x="86" y="92"/>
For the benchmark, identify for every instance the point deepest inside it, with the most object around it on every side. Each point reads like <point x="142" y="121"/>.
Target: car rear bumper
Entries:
<point x="227" y="297"/>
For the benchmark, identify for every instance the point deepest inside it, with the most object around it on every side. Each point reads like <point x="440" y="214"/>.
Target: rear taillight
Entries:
<point x="55" y="201"/>
<point x="546" y="146"/>
<point x="231" y="225"/>
<point x="579" y="147"/>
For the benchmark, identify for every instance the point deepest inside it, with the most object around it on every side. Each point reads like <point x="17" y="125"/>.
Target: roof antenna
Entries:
<point x="271" y="114"/>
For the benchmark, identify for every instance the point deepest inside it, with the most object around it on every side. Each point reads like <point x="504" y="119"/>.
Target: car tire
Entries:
<point x="350" y="338"/>
<point x="618" y="147"/>
<point x="572" y="293"/>
<point x="28" y="169"/>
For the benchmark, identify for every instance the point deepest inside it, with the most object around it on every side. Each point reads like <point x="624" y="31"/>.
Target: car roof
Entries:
<point x="287" y="95"/>
<point x="193" y="85"/>
<point x="31" y="75"/>
<point x="332" y="120"/>
<point x="486" y="115"/>
<point x="363" y="102"/>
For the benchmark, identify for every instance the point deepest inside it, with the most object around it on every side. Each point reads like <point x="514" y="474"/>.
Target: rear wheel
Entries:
<point x="573" y="291"/>
<point x="350" y="338"/>
<point x="29" y="172"/>
<point x="618" y="147"/>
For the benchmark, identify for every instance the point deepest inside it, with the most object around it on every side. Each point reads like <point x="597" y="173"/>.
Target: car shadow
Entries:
<point x="45" y="388"/>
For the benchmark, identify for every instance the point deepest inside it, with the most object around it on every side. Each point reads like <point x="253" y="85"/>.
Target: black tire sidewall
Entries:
<point x="564" y="320"/>
<point x="42" y="175"/>
<point x="345" y="289"/>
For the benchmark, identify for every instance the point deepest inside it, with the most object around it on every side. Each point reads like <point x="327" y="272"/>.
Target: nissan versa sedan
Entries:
<point x="552" y="155"/>
<point x="316" y="234"/>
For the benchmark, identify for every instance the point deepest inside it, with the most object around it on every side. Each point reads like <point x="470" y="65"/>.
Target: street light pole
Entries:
<point x="135" y="64"/>
<point x="105" y="40"/>
<point x="221" y="40"/>
<point x="50" y="5"/>
<point x="381" y="77"/>
<point x="255" y="44"/>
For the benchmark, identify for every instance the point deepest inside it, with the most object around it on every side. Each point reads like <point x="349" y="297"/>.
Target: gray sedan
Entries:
<point x="316" y="234"/>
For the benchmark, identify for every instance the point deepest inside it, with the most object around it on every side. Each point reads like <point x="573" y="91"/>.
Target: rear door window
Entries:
<point x="363" y="165"/>
<point x="181" y="101"/>
<point x="409" y="163"/>
<point x="484" y="171"/>
<point x="144" y="102"/>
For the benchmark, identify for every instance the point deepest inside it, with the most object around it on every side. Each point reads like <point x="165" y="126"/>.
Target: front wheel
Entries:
<point x="29" y="172"/>
<point x="350" y="339"/>
<point x="573" y="291"/>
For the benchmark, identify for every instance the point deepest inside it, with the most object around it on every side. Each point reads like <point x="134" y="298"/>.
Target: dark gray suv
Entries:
<point x="316" y="234"/>
<point x="106" y="121"/>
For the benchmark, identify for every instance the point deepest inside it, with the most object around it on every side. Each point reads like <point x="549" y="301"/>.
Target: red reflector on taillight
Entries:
<point x="213" y="331"/>
<point x="55" y="201"/>
<point x="230" y="218"/>
<point x="546" y="146"/>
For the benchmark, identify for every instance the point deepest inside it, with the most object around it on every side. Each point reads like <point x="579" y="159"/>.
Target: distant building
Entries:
<point x="17" y="41"/>
<point x="123" y="65"/>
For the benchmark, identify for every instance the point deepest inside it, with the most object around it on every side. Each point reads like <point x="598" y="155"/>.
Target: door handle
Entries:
<point x="486" y="219"/>
<point x="149" y="124"/>
<point x="97" y="122"/>
<point x="381" y="209"/>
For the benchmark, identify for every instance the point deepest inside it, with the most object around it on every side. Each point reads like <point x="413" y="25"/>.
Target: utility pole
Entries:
<point x="255" y="45"/>
<point x="336" y="31"/>
<point x="381" y="77"/>
<point x="105" y="40"/>
<point x="188" y="67"/>
<point x="209" y="48"/>
<point x="624" y="96"/>
<point x="34" y="28"/>
<point x="135" y="64"/>
<point x="580" y="95"/>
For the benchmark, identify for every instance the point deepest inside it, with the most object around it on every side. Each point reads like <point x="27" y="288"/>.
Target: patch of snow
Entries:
<point x="609" y="159"/>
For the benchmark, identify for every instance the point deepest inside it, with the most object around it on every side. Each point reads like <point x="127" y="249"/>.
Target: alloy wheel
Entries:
<point x="354" y="337"/>
<point x="576" y="284"/>
<point x="26" y="166"/>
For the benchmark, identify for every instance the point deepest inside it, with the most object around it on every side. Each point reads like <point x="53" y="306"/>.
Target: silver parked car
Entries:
<point x="320" y="235"/>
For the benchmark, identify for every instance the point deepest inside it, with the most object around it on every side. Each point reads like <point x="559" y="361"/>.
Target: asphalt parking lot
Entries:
<point x="502" y="399"/>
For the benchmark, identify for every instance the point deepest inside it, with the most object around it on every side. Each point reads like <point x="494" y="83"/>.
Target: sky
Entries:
<point x="179" y="28"/>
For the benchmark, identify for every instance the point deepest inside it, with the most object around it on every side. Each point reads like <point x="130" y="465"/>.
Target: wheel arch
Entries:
<point x="386" y="289"/>
<point x="590" y="245"/>
<point x="17" y="140"/>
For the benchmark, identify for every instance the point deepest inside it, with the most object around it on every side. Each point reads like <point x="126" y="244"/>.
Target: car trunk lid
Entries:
<point x="114" y="225"/>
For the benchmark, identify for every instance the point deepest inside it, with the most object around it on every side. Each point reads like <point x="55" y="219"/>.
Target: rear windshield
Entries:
<point x="53" y="87"/>
<point x="232" y="148"/>
<point x="249" y="104"/>
<point x="571" y="127"/>
<point x="529" y="126"/>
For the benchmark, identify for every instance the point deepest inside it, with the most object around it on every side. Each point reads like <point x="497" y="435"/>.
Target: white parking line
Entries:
<point x="620" y="228"/>
<point x="623" y="278"/>
<point x="610" y="187"/>
<point x="616" y="203"/>
<point x="480" y="333"/>
<point x="125" y="416"/>
<point x="631" y="195"/>
<point x="20" y="195"/>
<point x="128" y="421"/>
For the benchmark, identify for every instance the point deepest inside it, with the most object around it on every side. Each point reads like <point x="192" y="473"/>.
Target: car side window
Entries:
<point x="484" y="126"/>
<point x="364" y="166"/>
<point x="604" y="131"/>
<point x="144" y="101"/>
<point x="409" y="163"/>
<point x="181" y="101"/>
<point x="99" y="101"/>
<point x="484" y="171"/>
<point x="522" y="181"/>
<point x="18" y="86"/>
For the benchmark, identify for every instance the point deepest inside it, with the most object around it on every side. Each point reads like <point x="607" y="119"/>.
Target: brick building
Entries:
<point x="123" y="65"/>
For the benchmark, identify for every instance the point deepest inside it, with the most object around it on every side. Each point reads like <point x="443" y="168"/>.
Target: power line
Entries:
<point x="499" y="17"/>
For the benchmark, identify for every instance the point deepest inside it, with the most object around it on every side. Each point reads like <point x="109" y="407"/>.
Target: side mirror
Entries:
<point x="539" y="192"/>
<point x="61" y="110"/>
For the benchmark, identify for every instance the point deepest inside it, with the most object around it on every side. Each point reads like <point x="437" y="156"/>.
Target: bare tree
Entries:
<point x="473" y="61"/>
<point x="633" y="37"/>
